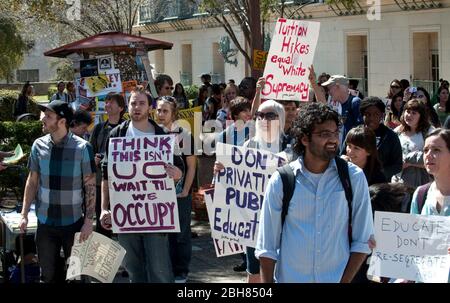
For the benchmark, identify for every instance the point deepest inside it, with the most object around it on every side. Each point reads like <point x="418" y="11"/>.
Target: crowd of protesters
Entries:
<point x="400" y="141"/>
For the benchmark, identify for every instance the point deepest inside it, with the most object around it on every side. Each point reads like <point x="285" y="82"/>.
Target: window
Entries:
<point x="24" y="75"/>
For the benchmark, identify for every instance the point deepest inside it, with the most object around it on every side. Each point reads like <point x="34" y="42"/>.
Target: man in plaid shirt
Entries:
<point x="62" y="182"/>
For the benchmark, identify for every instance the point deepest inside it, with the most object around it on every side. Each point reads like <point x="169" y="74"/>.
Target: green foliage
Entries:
<point x="64" y="71"/>
<point x="11" y="134"/>
<point x="12" y="47"/>
<point x="51" y="91"/>
<point x="191" y="91"/>
<point x="8" y="99"/>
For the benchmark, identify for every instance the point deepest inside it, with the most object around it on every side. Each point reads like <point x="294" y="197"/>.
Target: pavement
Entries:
<point x="205" y="266"/>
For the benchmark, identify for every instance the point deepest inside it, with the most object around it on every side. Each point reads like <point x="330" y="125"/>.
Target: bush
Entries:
<point x="8" y="100"/>
<point x="51" y="91"/>
<point x="191" y="91"/>
<point x="11" y="134"/>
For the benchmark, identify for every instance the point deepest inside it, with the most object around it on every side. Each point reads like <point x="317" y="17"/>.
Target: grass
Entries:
<point x="41" y="99"/>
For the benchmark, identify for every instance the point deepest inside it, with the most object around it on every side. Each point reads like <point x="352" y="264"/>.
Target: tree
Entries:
<point x="250" y="15"/>
<point x="12" y="48"/>
<point x="82" y="18"/>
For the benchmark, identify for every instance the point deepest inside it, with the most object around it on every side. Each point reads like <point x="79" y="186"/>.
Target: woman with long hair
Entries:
<point x="180" y="96"/>
<point x="423" y="95"/>
<point x="361" y="149"/>
<point x="394" y="88"/>
<point x="393" y="115"/>
<point x="414" y="127"/>
<point x="21" y="106"/>
<point x="202" y="96"/>
<point x="442" y="107"/>
<point x="180" y="243"/>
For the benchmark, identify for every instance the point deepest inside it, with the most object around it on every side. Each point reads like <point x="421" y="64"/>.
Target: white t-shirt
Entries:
<point x="134" y="132"/>
<point x="314" y="178"/>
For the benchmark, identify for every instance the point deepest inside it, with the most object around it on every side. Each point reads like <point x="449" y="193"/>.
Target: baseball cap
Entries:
<point x="59" y="107"/>
<point x="336" y="79"/>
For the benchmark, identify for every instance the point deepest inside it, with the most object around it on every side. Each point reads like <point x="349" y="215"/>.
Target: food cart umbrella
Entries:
<point x="108" y="42"/>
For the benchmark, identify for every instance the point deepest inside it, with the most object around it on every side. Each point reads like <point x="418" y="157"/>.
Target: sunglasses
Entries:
<point x="168" y="87"/>
<point x="395" y="86"/>
<point x="267" y="116"/>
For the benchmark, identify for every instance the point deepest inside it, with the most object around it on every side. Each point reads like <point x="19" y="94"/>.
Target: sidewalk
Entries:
<point x="205" y="266"/>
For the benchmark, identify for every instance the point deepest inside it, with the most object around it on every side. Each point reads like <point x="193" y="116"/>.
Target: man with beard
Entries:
<point x="148" y="257"/>
<point x="316" y="245"/>
<point x="62" y="182"/>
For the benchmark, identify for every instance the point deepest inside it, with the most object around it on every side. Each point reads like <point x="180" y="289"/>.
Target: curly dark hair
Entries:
<point x="307" y="119"/>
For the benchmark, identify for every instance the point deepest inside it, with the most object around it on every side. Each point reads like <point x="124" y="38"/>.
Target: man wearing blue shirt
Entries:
<point x="313" y="245"/>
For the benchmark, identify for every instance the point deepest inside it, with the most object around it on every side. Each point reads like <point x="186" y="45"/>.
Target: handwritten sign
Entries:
<point x="411" y="247"/>
<point x="291" y="53"/>
<point x="102" y="84"/>
<point x="259" y="59"/>
<point x="239" y="192"/>
<point x="142" y="196"/>
<point x="222" y="248"/>
<point x="98" y="257"/>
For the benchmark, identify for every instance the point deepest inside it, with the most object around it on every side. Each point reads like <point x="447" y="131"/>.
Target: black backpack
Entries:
<point x="288" y="179"/>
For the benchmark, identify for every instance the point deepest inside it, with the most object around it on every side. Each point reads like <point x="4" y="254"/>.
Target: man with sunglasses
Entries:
<point x="341" y="101"/>
<point x="315" y="243"/>
<point x="164" y="85"/>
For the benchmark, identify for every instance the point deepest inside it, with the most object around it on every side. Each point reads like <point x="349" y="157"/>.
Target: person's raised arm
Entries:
<point x="318" y="90"/>
<point x="257" y="100"/>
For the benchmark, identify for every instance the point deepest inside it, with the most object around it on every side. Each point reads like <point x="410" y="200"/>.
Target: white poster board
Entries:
<point x="98" y="257"/>
<point x="142" y="196"/>
<point x="239" y="192"/>
<point x="411" y="247"/>
<point x="222" y="248"/>
<point x="291" y="53"/>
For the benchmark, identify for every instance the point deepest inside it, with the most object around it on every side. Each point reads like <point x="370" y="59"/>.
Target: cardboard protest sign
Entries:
<point x="109" y="82"/>
<point x="411" y="247"/>
<point x="222" y="248"/>
<point x="142" y="196"/>
<point x="291" y="53"/>
<point x="98" y="257"/>
<point x="239" y="192"/>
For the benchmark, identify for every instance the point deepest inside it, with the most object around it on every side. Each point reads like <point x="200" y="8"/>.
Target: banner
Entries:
<point x="98" y="257"/>
<point x="291" y="53"/>
<point x="411" y="247"/>
<point x="142" y="196"/>
<point x="239" y="192"/>
<point x="222" y="248"/>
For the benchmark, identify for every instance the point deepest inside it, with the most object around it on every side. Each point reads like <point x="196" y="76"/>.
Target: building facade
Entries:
<point x="375" y="41"/>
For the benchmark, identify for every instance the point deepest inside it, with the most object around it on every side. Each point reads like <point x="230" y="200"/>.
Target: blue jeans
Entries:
<point x="180" y="243"/>
<point x="252" y="261"/>
<point x="147" y="259"/>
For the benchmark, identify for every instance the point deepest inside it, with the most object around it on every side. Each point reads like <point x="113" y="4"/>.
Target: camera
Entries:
<point x="413" y="89"/>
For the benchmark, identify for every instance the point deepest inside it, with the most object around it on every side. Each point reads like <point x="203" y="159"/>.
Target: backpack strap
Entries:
<point x="342" y="168"/>
<point x="422" y="196"/>
<point x="288" y="179"/>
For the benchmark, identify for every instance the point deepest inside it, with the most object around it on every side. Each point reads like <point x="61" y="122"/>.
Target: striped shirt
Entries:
<point x="315" y="245"/>
<point x="61" y="168"/>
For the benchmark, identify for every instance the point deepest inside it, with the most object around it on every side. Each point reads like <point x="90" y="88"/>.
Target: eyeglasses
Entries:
<point x="327" y="134"/>
<point x="267" y="116"/>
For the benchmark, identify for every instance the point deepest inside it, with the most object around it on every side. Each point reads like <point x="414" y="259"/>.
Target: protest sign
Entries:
<point x="222" y="248"/>
<point x="411" y="247"/>
<point x="142" y="196"/>
<point x="291" y="53"/>
<point x="98" y="257"/>
<point x="239" y="192"/>
<point x="259" y="59"/>
<point x="109" y="82"/>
